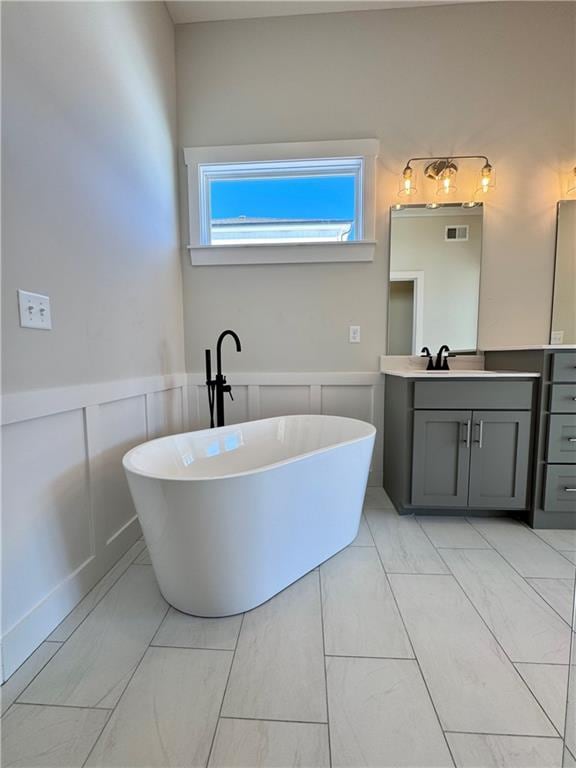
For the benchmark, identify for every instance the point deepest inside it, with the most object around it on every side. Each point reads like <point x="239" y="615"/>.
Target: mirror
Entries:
<point x="564" y="304"/>
<point x="434" y="288"/>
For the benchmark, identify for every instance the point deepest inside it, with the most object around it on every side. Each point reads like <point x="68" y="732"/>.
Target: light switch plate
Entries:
<point x="34" y="311"/>
<point x="354" y="335"/>
<point x="557" y="337"/>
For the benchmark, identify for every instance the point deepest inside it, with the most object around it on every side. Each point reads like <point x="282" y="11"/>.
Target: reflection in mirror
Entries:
<point x="564" y="304"/>
<point x="435" y="256"/>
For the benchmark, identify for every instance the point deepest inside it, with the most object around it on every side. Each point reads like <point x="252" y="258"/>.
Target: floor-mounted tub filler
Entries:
<point x="233" y="515"/>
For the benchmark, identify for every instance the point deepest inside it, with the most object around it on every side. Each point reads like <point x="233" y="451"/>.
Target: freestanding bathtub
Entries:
<point x="233" y="515"/>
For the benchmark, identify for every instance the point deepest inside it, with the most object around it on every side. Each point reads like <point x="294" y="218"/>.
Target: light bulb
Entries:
<point x="407" y="187"/>
<point x="446" y="182"/>
<point x="486" y="178"/>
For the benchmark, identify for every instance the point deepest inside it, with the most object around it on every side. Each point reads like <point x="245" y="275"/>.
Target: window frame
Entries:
<point x="200" y="163"/>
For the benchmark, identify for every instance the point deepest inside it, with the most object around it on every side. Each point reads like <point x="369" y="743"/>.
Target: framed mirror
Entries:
<point x="563" y="329"/>
<point x="434" y="288"/>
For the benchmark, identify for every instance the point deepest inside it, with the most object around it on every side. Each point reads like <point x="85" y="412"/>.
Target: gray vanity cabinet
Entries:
<point x="441" y="456"/>
<point x="500" y="454"/>
<point x="470" y="459"/>
<point x="553" y="475"/>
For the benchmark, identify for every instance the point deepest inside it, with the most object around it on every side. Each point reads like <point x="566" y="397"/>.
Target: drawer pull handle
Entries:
<point x="572" y="439"/>
<point x="570" y="490"/>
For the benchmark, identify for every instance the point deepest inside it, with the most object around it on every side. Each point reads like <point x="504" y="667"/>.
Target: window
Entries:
<point x="254" y="204"/>
<point x="314" y="201"/>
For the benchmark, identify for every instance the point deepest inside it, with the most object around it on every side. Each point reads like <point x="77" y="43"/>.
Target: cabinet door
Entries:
<point x="499" y="459"/>
<point x="441" y="458"/>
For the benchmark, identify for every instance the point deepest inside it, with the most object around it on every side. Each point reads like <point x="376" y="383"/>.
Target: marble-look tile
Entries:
<point x="360" y="614"/>
<point x="61" y="737"/>
<point x="402" y="544"/>
<point x="549" y="683"/>
<point x="526" y="552"/>
<point x="143" y="558"/>
<point x="558" y="593"/>
<point x="473" y="684"/>
<point x="523" y="623"/>
<point x="453" y="532"/>
<point x="381" y="715"/>
<point x="483" y="751"/>
<point x="562" y="540"/>
<point x="364" y="538"/>
<point x="278" y="669"/>
<point x="88" y="603"/>
<point x="377" y="498"/>
<point x="264" y="744"/>
<point x="180" y="630"/>
<point x="168" y="714"/>
<point x="25" y="673"/>
<point x="95" y="664"/>
<point x="569" y="556"/>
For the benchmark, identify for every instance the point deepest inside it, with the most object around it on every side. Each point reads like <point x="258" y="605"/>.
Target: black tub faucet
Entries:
<point x="217" y="387"/>
<point x="425" y="352"/>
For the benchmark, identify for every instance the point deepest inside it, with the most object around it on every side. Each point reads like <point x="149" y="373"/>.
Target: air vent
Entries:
<point x="456" y="233"/>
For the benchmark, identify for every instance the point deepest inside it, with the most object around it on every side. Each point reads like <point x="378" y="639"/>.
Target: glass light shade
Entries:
<point x="487" y="180"/>
<point x="446" y="185"/>
<point x="407" y="186"/>
<point x="572" y="183"/>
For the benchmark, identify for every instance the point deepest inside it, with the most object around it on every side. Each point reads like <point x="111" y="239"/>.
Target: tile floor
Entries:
<point x="428" y="642"/>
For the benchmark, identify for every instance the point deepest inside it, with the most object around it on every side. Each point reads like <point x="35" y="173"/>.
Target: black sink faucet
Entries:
<point x="441" y="363"/>
<point x="218" y="385"/>
<point x="425" y="352"/>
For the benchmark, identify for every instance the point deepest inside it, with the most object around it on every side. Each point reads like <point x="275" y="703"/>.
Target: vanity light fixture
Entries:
<point x="443" y="170"/>
<point x="572" y="183"/>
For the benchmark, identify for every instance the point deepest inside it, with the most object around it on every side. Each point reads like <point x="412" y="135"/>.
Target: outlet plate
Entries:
<point x="34" y="311"/>
<point x="354" y="334"/>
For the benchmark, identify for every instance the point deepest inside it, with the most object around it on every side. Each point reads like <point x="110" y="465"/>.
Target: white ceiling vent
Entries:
<point x="456" y="233"/>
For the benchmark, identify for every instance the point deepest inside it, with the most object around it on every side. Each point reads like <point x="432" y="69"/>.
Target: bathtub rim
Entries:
<point x="128" y="467"/>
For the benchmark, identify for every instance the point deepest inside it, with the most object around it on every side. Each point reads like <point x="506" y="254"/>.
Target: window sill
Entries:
<point x="282" y="253"/>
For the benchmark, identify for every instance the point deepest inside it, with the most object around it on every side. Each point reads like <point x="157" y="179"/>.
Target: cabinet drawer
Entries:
<point x="561" y="439"/>
<point x="473" y="394"/>
<point x="563" y="398"/>
<point x="557" y="494"/>
<point x="564" y="366"/>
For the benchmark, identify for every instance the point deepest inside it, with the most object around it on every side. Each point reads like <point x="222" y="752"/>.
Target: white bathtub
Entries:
<point x="233" y="515"/>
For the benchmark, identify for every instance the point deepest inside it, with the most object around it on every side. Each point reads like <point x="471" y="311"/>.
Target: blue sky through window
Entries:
<point x="314" y="197"/>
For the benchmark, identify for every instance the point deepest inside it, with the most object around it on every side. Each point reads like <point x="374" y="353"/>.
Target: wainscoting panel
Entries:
<point x="356" y="395"/>
<point x="67" y="514"/>
<point x="122" y="426"/>
<point x="164" y="412"/>
<point x="283" y="400"/>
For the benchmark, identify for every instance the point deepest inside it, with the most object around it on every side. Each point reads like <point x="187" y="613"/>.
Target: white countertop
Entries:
<point x="528" y="347"/>
<point x="461" y="367"/>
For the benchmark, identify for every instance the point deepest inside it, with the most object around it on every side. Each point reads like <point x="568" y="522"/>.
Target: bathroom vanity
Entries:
<point x="554" y="468"/>
<point x="458" y="442"/>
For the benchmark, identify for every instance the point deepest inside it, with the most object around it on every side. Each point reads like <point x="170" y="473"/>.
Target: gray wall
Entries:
<point x="89" y="191"/>
<point x="495" y="78"/>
